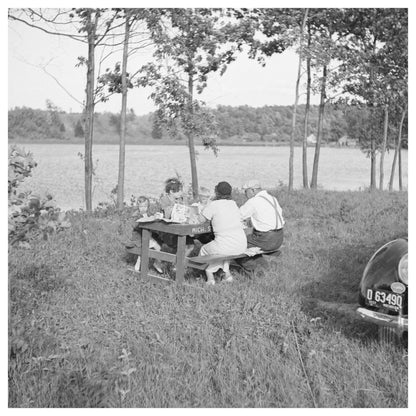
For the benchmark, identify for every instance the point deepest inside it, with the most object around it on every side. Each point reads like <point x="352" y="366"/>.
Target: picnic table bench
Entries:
<point x="202" y="262"/>
<point x="179" y="259"/>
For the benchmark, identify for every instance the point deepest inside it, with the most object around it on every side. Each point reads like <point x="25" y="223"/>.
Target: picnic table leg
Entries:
<point x="180" y="259"/>
<point x="144" y="268"/>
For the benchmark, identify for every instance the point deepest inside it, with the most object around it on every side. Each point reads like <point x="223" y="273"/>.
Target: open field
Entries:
<point x="88" y="333"/>
<point x="61" y="171"/>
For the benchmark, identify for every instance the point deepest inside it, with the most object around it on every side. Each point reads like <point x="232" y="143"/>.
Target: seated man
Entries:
<point x="266" y="217"/>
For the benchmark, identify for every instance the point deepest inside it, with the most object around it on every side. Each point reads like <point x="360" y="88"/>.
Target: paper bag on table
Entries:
<point x="184" y="214"/>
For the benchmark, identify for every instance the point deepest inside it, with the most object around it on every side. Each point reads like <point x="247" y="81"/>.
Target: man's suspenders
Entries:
<point x="274" y="205"/>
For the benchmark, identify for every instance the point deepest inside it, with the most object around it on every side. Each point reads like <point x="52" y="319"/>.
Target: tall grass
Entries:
<point x="86" y="332"/>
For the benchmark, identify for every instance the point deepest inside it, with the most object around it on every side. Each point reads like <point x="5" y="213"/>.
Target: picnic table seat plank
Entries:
<point x="162" y="255"/>
<point x="218" y="257"/>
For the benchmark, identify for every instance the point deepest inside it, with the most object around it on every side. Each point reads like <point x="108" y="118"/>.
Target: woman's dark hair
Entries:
<point x="173" y="184"/>
<point x="223" y="190"/>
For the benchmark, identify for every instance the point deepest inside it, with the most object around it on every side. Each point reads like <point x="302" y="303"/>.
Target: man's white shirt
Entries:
<point x="261" y="210"/>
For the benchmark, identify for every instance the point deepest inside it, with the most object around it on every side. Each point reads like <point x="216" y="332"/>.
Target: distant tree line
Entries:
<point x="33" y="124"/>
<point x="242" y="124"/>
<point x="273" y="123"/>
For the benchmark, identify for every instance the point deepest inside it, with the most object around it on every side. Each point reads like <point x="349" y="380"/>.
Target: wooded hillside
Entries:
<point x="235" y="125"/>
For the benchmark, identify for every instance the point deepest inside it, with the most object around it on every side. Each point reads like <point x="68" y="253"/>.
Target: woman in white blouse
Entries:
<point x="230" y="237"/>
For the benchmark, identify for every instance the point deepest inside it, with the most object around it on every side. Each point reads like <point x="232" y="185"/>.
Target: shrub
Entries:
<point x="30" y="216"/>
<point x="20" y="167"/>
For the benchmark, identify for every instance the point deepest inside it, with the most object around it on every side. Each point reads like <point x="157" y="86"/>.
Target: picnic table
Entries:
<point x="179" y="259"/>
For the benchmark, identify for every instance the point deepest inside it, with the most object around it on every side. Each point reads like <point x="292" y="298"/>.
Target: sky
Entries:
<point x="245" y="82"/>
<point x="30" y="50"/>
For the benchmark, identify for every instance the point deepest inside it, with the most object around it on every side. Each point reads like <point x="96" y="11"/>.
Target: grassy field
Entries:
<point x="85" y="332"/>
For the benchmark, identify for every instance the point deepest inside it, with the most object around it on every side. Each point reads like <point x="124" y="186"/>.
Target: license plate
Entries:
<point x="389" y="300"/>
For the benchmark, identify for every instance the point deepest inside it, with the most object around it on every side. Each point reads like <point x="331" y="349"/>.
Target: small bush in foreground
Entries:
<point x="30" y="216"/>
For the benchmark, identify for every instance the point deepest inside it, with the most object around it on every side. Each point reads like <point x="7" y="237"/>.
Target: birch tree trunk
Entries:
<point x="373" y="159"/>
<point x="400" y="167"/>
<point x="383" y="147"/>
<point x="191" y="144"/>
<point x="314" y="181"/>
<point x="306" y="124"/>
<point x="122" y="147"/>
<point x="89" y="111"/>
<point x="292" y="135"/>
<point x="396" y="151"/>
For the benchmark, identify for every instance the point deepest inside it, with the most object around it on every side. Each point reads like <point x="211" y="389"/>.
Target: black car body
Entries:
<point x="384" y="292"/>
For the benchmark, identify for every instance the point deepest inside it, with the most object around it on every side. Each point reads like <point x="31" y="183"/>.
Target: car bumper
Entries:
<point x="400" y="323"/>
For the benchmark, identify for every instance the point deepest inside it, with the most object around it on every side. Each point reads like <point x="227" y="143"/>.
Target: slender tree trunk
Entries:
<point x="314" y="181"/>
<point x="89" y="112"/>
<point x="383" y="147"/>
<point x="9" y="320"/>
<point x="292" y="135"/>
<point x="122" y="149"/>
<point x="191" y="144"/>
<point x="393" y="166"/>
<point x="400" y="168"/>
<point x="396" y="151"/>
<point x="306" y="124"/>
<point x="373" y="159"/>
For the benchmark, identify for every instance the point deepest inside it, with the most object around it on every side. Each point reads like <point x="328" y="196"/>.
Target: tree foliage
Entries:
<point x="194" y="43"/>
<point x="374" y="67"/>
<point x="30" y="216"/>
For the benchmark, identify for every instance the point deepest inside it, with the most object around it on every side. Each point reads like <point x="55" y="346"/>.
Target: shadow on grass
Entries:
<point x="334" y="296"/>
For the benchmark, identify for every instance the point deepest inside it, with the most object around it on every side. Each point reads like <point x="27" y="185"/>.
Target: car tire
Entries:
<point x="387" y="336"/>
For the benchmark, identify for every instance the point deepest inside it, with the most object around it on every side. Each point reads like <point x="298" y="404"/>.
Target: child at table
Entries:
<point x="173" y="195"/>
<point x="144" y="210"/>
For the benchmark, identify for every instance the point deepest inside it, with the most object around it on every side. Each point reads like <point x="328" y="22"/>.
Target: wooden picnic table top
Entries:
<point x="177" y="229"/>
